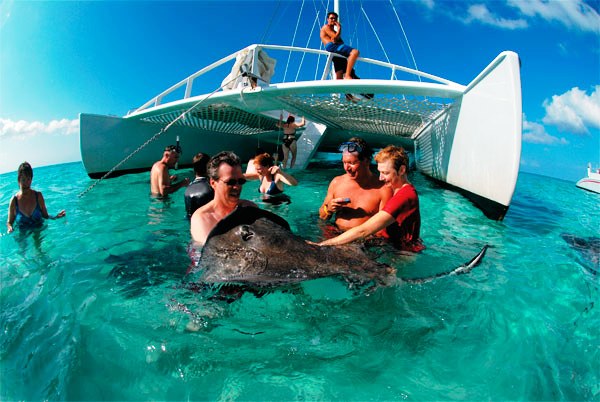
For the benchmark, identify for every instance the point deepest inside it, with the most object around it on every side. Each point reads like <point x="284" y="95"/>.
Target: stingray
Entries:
<point x="588" y="248"/>
<point x="256" y="247"/>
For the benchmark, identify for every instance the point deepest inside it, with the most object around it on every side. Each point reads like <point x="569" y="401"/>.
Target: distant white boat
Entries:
<point x="592" y="181"/>
<point x="466" y="136"/>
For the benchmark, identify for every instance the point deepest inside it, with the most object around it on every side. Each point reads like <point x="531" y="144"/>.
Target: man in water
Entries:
<point x="358" y="194"/>
<point x="226" y="179"/>
<point x="333" y="42"/>
<point x="199" y="192"/>
<point x="160" y="181"/>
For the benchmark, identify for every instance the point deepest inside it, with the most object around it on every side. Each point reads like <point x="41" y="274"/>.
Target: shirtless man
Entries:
<point x="226" y="178"/>
<point x="160" y="181"/>
<point x="358" y="194"/>
<point x="333" y="43"/>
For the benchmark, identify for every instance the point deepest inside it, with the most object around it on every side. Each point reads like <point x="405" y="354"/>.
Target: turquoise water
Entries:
<point x="92" y="307"/>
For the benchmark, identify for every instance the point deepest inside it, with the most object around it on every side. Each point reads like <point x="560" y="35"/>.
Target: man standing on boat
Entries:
<point x="333" y="42"/>
<point x="226" y="179"/>
<point x="358" y="194"/>
<point x="160" y="181"/>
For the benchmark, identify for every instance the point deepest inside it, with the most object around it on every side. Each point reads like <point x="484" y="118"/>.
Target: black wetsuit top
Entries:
<point x="198" y="193"/>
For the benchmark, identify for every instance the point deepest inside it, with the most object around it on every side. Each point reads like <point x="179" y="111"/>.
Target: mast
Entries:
<point x="336" y="7"/>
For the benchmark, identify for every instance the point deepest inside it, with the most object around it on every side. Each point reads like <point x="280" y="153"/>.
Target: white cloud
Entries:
<point x="22" y="129"/>
<point x="535" y="133"/>
<point x="574" y="14"/>
<point x="480" y="13"/>
<point x="574" y="111"/>
<point x="5" y="10"/>
<point x="428" y="3"/>
<point x="571" y="13"/>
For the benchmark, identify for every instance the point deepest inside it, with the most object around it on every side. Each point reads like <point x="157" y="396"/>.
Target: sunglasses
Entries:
<point x="233" y="182"/>
<point x="350" y="147"/>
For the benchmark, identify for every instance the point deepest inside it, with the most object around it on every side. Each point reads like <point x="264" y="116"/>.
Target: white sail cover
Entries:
<point x="243" y="62"/>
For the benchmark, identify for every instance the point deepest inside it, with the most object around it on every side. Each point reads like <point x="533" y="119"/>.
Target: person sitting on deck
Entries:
<point x="160" y="181"/>
<point x="27" y="208"/>
<point x="333" y="43"/>
<point x="358" y="194"/>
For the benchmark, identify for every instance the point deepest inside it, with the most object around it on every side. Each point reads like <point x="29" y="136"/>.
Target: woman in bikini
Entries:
<point x="27" y="208"/>
<point x="272" y="178"/>
<point x="289" y="138"/>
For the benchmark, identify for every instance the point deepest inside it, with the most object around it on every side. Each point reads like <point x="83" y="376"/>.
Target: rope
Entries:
<point x="262" y="40"/>
<point x="293" y="41"/>
<point x="375" y="32"/>
<point x="154" y="137"/>
<point x="307" y="43"/>
<point x="406" y="39"/>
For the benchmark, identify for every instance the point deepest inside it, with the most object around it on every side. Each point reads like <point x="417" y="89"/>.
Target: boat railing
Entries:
<point x="188" y="82"/>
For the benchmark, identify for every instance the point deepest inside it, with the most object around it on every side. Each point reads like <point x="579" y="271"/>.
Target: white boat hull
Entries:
<point x="589" y="185"/>
<point x="468" y="137"/>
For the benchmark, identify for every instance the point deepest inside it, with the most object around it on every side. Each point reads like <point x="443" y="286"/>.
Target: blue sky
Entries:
<point x="58" y="59"/>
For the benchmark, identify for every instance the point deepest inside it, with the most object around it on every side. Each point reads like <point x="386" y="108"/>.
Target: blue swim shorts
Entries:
<point x="339" y="48"/>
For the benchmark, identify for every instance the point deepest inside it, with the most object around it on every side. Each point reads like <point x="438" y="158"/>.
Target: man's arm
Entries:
<point x="375" y="223"/>
<point x="165" y="186"/>
<point x="324" y="212"/>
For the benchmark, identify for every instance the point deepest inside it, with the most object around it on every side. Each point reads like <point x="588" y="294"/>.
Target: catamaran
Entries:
<point x="466" y="136"/>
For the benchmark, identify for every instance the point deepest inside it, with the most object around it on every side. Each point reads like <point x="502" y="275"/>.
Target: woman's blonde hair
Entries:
<point x="394" y="153"/>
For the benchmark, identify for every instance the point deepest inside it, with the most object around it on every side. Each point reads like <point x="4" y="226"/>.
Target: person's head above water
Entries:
<point x="264" y="160"/>
<point x="171" y="155"/>
<point x="200" y="162"/>
<point x="225" y="157"/>
<point x="24" y="171"/>
<point x="358" y="146"/>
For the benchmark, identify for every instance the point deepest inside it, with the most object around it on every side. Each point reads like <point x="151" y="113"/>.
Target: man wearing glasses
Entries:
<point x="333" y="42"/>
<point x="358" y="194"/>
<point x="160" y="181"/>
<point x="226" y="179"/>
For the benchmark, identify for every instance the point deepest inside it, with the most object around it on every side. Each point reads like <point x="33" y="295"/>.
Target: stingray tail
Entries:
<point x="463" y="269"/>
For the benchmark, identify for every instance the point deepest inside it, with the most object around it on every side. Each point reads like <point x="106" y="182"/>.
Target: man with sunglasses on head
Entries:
<point x="226" y="179"/>
<point x="331" y="36"/>
<point x="358" y="194"/>
<point x="160" y="181"/>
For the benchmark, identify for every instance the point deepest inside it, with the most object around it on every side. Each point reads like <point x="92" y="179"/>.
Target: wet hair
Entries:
<point x="227" y="157"/>
<point x="264" y="160"/>
<point x="172" y="148"/>
<point x="366" y="153"/>
<point x="394" y="153"/>
<point x="24" y="170"/>
<point x="333" y="13"/>
<point x="290" y="119"/>
<point x="200" y="161"/>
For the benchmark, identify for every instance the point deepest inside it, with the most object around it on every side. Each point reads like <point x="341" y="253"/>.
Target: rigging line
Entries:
<point x="326" y="7"/>
<point x="293" y="40"/>
<point x="376" y="36"/>
<point x="262" y="40"/>
<point x="154" y="137"/>
<point x="406" y="38"/>
<point x="312" y="29"/>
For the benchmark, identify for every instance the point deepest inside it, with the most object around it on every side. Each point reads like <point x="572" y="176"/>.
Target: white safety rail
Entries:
<point x="392" y="69"/>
